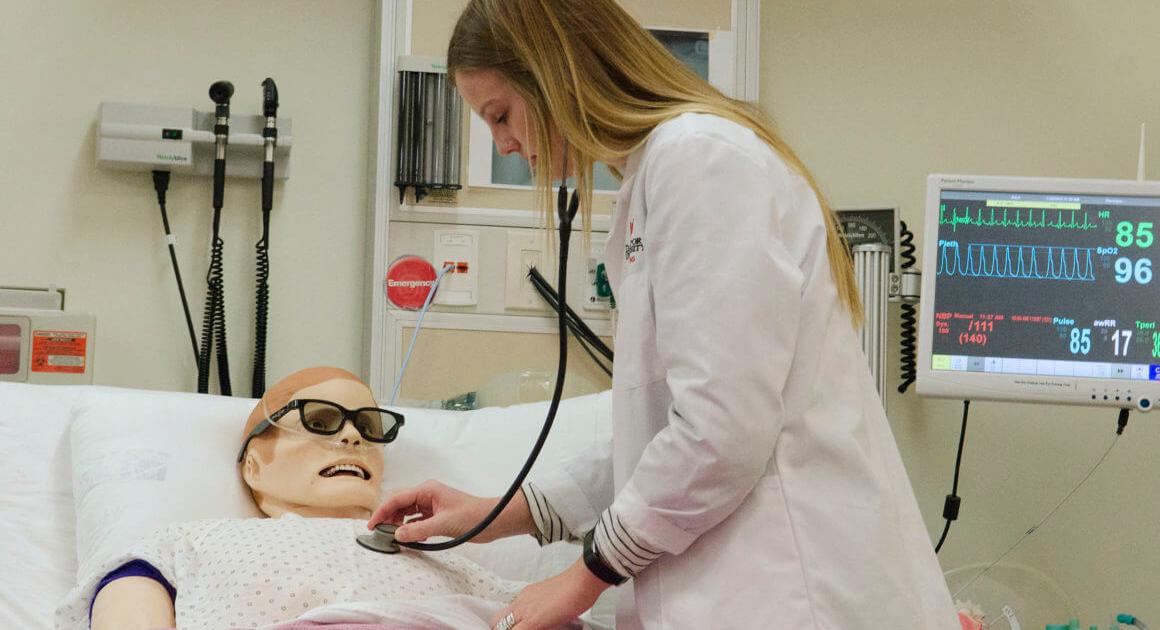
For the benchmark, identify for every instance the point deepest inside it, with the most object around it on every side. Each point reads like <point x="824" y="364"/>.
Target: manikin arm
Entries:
<point x="133" y="603"/>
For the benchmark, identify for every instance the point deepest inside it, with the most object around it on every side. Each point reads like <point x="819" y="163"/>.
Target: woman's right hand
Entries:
<point x="434" y="509"/>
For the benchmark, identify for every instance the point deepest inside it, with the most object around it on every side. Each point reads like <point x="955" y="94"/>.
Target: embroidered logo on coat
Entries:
<point x="634" y="245"/>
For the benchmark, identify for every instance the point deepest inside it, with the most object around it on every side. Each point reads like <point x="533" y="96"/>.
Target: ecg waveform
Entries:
<point x="1023" y="262"/>
<point x="1018" y="218"/>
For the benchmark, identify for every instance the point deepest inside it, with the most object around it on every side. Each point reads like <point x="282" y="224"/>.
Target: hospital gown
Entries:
<point x="253" y="572"/>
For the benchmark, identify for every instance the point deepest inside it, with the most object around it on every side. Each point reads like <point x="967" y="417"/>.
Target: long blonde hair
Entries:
<point x="587" y="70"/>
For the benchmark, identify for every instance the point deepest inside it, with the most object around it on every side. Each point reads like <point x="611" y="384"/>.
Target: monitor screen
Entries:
<point x="1041" y="290"/>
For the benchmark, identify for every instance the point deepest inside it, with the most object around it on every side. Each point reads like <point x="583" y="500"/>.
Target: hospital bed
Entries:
<point x="88" y="470"/>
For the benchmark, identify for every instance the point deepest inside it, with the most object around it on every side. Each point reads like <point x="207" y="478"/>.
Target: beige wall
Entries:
<point x="876" y="95"/>
<point x="97" y="233"/>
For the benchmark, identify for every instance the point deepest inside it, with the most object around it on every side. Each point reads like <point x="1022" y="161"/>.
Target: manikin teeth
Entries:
<point x="346" y="468"/>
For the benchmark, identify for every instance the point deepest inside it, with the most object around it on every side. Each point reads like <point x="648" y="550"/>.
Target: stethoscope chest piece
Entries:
<point x="381" y="540"/>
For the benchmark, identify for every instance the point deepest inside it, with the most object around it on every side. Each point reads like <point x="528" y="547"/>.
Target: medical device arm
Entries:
<point x="133" y="603"/>
<point x="262" y="248"/>
<point x="214" y="317"/>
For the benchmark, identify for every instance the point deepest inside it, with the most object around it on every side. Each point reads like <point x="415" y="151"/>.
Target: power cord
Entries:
<point x="161" y="185"/>
<point x="953" y="502"/>
<point x="1121" y="422"/>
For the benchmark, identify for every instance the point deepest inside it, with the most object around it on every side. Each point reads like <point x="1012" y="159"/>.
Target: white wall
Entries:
<point x="97" y="233"/>
<point x="876" y="95"/>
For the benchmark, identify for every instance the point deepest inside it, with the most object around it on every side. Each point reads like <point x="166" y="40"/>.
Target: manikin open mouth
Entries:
<point x="345" y="469"/>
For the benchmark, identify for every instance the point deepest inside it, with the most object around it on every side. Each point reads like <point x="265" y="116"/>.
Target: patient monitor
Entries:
<point x="1041" y="290"/>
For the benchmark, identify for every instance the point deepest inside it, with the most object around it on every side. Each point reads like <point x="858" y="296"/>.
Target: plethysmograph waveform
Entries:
<point x="1015" y="218"/>
<point x="1023" y="262"/>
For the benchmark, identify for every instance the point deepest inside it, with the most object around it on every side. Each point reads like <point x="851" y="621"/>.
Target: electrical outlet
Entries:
<point x="460" y="248"/>
<point x="525" y="248"/>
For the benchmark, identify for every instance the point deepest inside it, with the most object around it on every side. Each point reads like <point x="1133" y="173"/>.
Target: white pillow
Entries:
<point x="36" y="504"/>
<point x="145" y="459"/>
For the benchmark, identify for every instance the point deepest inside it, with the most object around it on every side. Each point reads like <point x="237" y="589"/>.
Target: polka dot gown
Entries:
<point x="253" y="572"/>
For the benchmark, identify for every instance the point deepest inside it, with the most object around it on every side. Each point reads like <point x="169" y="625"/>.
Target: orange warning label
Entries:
<point x="59" y="351"/>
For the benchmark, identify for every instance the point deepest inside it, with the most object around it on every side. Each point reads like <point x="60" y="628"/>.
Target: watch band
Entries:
<point x="596" y="563"/>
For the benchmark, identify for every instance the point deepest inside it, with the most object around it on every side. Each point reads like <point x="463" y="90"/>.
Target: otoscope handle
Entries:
<point x="267" y="186"/>
<point x="219" y="183"/>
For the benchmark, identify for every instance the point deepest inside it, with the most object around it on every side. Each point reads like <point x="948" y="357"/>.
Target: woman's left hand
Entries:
<point x="555" y="601"/>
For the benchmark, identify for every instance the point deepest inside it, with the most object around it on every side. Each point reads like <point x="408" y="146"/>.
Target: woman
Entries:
<point x="752" y="479"/>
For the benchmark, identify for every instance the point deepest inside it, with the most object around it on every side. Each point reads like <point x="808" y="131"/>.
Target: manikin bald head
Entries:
<point x="291" y="470"/>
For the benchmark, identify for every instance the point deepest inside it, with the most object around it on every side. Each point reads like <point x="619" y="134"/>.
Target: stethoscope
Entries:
<point x="382" y="539"/>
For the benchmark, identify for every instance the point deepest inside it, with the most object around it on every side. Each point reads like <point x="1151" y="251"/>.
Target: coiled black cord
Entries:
<point x="207" y="347"/>
<point x="262" y="308"/>
<point x="223" y="359"/>
<point x="909" y="315"/>
<point x="213" y="320"/>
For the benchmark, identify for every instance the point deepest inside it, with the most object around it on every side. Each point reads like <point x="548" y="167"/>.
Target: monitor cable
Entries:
<point x="1121" y="422"/>
<point x="161" y="185"/>
<point x="952" y="503"/>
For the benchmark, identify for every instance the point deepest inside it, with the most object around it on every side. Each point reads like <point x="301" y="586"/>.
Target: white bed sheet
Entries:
<point x="53" y="435"/>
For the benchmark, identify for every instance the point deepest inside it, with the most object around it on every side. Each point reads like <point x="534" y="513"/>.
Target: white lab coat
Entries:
<point x="749" y="444"/>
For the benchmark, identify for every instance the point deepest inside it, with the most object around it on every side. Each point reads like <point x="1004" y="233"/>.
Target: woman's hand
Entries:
<point x="555" y="601"/>
<point x="433" y="509"/>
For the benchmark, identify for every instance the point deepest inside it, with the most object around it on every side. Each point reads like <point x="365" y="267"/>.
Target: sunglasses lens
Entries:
<point x="370" y="424"/>
<point x="321" y="418"/>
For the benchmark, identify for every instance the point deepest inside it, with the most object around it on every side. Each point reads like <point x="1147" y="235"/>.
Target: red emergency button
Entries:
<point x="409" y="279"/>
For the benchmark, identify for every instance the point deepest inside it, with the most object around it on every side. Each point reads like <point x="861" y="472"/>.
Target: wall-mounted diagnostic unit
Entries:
<point x="872" y="234"/>
<point x="40" y="342"/>
<point x="1041" y="290"/>
<point x="181" y="140"/>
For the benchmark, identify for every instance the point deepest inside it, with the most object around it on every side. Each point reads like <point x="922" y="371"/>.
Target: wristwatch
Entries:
<point x="597" y="565"/>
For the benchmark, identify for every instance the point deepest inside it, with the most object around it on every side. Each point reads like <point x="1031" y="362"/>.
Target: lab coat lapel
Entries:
<point x="614" y="248"/>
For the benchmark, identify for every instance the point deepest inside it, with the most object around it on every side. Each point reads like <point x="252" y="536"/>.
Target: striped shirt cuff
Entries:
<point x="550" y="526"/>
<point x="619" y="549"/>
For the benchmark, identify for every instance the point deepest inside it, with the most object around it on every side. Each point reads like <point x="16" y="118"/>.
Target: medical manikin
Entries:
<point x="317" y="492"/>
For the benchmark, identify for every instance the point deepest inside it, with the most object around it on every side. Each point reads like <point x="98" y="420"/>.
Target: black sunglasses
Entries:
<point x="327" y="418"/>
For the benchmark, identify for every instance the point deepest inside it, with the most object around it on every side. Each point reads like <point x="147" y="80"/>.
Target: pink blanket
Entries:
<point x="313" y="625"/>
